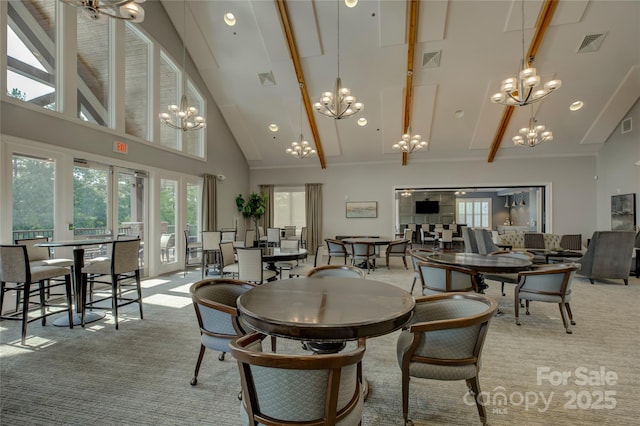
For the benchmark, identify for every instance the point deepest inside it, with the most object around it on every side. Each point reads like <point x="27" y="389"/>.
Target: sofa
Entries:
<point x="522" y="241"/>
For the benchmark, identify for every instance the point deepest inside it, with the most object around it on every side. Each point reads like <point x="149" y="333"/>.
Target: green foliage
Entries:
<point x="18" y="94"/>
<point x="33" y="189"/>
<point x="253" y="208"/>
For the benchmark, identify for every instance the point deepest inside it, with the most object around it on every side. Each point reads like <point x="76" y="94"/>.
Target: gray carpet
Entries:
<point x="139" y="375"/>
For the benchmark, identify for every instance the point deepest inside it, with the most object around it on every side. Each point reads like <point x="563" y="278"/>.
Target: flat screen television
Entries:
<point x="427" y="207"/>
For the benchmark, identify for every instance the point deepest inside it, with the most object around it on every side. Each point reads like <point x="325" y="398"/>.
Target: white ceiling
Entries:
<point x="480" y="44"/>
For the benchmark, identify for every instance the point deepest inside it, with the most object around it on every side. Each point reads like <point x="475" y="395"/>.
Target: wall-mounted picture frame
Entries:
<point x="623" y="212"/>
<point x="362" y="209"/>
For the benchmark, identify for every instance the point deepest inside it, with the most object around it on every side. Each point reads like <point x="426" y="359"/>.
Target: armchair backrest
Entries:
<point x="324" y="387"/>
<point x="229" y="235"/>
<point x="441" y="319"/>
<point x="552" y="281"/>
<point x="363" y="250"/>
<point x="608" y="255"/>
<point x="289" y="231"/>
<point x="470" y="243"/>
<point x="571" y="242"/>
<point x="484" y="242"/>
<point x="398" y="247"/>
<point x="273" y="235"/>
<point x="336" y="247"/>
<point x="211" y="240"/>
<point x="289" y="245"/>
<point x="347" y="271"/>
<point x="214" y="301"/>
<point x="534" y="240"/>
<point x="441" y="278"/>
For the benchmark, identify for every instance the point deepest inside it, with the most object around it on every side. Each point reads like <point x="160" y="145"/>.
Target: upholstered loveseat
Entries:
<point x="551" y="241"/>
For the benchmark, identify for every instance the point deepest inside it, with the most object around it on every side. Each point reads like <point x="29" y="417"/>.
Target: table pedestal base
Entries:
<point x="77" y="320"/>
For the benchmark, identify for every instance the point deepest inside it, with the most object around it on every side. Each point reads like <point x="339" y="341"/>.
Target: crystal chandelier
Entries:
<point x="184" y="117"/>
<point x="410" y="142"/>
<point x="128" y="10"/>
<point x="339" y="103"/>
<point x="532" y="135"/>
<point x="521" y="90"/>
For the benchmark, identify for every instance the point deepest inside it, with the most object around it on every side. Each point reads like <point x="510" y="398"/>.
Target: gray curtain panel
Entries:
<point x="313" y="207"/>
<point x="267" y="219"/>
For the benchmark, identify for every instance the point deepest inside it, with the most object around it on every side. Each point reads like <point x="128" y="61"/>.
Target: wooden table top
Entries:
<point x="480" y="262"/>
<point x="329" y="309"/>
<point x="371" y="240"/>
<point x="274" y="254"/>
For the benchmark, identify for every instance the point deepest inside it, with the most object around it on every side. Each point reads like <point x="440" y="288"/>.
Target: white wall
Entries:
<point x="616" y="169"/>
<point x="572" y="201"/>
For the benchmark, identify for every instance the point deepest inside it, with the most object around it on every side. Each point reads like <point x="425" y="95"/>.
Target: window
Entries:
<point x="474" y="212"/>
<point x="90" y="200"/>
<point x="193" y="141"/>
<point x="136" y="58"/>
<point x="168" y="96"/>
<point x="31" y="49"/>
<point x="289" y="207"/>
<point x="33" y="200"/>
<point x="93" y="69"/>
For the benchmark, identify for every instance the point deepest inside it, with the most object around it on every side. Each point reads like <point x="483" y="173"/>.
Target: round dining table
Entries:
<point x="480" y="262"/>
<point x="328" y="309"/>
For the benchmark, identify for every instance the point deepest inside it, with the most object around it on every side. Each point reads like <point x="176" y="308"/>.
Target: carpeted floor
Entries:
<point x="139" y="375"/>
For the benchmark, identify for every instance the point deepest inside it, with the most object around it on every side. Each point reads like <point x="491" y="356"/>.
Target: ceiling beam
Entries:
<point x="544" y="19"/>
<point x="408" y="92"/>
<point x="295" y="58"/>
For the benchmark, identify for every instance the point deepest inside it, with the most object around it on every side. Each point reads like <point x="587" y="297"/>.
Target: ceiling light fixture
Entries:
<point x="128" y="10"/>
<point x="300" y="149"/>
<point x="407" y="193"/>
<point x="229" y="19"/>
<point x="522" y="202"/>
<point x="339" y="103"/>
<point x="575" y="106"/>
<point x="351" y="3"/>
<point x="533" y="135"/>
<point x="519" y="91"/>
<point x="273" y="127"/>
<point x="186" y="117"/>
<point x="410" y="142"/>
<point x="362" y="121"/>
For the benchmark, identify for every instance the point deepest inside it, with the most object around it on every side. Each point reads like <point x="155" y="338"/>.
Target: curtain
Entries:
<point x="267" y="218"/>
<point x="209" y="219"/>
<point x="313" y="210"/>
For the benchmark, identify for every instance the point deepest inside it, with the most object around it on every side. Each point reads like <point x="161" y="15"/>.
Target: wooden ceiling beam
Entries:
<point x="544" y="19"/>
<point x="297" y="65"/>
<point x="408" y="92"/>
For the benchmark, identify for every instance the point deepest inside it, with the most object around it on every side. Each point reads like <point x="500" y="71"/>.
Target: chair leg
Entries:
<point x="526" y="303"/>
<point x="404" y="260"/>
<point x="502" y="288"/>
<point x="565" y="320"/>
<point x="67" y="287"/>
<point x="194" y="379"/>
<point x="139" y="288"/>
<point x="516" y="308"/>
<point x="25" y="309"/>
<point x="413" y="284"/>
<point x="474" y="387"/>
<point x="405" y="396"/>
<point x="43" y="308"/>
<point x="114" y="298"/>
<point x="566" y="304"/>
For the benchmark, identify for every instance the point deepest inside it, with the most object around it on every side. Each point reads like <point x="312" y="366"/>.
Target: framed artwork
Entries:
<point x="623" y="212"/>
<point x="357" y="209"/>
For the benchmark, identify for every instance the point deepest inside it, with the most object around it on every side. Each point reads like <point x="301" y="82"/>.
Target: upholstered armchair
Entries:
<point x="551" y="285"/>
<point x="397" y="249"/>
<point x="469" y="237"/>
<point x="319" y="389"/>
<point x="444" y="342"/>
<point x="336" y="248"/>
<point x="608" y="256"/>
<point x="440" y="278"/>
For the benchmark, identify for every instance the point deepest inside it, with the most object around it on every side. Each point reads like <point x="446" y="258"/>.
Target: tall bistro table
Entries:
<point x="329" y="310"/>
<point x="78" y="264"/>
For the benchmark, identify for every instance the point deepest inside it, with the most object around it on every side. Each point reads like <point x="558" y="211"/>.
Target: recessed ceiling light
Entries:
<point x="351" y="3"/>
<point x="273" y="127"/>
<point x="229" y="19"/>
<point x="459" y="113"/>
<point x="362" y="121"/>
<point x="575" y="106"/>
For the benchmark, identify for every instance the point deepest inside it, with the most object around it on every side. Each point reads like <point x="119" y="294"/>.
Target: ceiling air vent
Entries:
<point x="431" y="59"/>
<point x="626" y="125"/>
<point x="591" y="43"/>
<point x="266" y="79"/>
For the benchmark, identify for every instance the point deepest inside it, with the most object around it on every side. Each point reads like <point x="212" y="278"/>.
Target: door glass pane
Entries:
<point x="168" y="213"/>
<point x="31" y="51"/>
<point x="131" y="208"/>
<point x="136" y="58"/>
<point x="33" y="199"/>
<point x="90" y="202"/>
<point x="194" y="195"/>
<point x="93" y="69"/>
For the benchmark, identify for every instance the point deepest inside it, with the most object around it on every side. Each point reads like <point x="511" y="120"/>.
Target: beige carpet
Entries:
<point x="140" y="374"/>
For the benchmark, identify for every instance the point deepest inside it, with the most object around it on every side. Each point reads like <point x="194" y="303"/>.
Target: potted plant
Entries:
<point x="253" y="208"/>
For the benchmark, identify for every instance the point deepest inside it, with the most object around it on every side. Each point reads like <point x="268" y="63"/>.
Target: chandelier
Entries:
<point x="184" y="117"/>
<point x="407" y="193"/>
<point x="128" y="10"/>
<point x="521" y="90"/>
<point x="410" y="142"/>
<point x="339" y="103"/>
<point x="532" y="135"/>
<point x="301" y="149"/>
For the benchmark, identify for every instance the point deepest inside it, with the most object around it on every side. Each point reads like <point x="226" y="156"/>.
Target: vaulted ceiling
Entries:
<point x="462" y="52"/>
